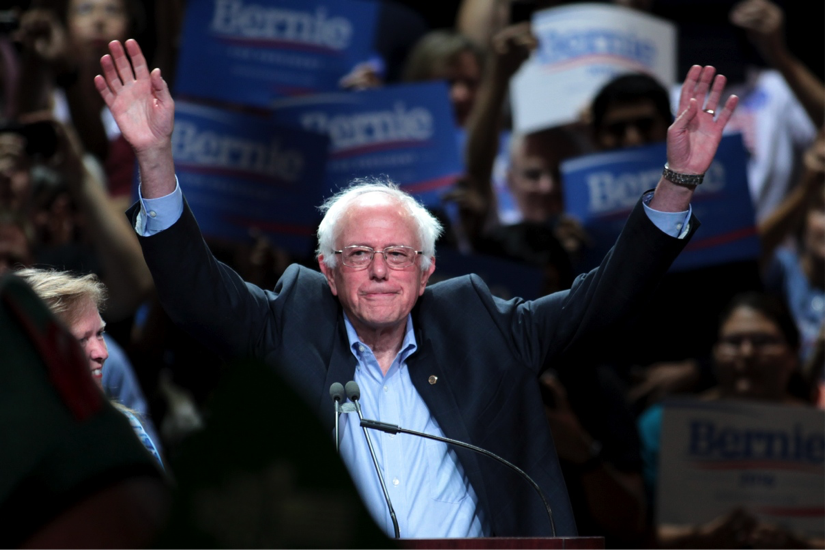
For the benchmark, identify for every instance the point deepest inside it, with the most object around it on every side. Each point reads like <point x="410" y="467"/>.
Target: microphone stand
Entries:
<point x="336" y="391"/>
<point x="377" y="469"/>
<point x="393" y="429"/>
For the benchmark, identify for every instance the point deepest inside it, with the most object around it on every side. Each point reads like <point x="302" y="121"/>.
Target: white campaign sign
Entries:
<point x="769" y="459"/>
<point x="582" y="47"/>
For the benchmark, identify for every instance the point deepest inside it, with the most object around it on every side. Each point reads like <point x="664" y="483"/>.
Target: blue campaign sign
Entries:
<point x="601" y="189"/>
<point x="252" y="51"/>
<point x="404" y="132"/>
<point x="241" y="173"/>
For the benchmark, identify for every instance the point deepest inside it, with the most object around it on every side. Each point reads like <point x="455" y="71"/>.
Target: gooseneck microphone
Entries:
<point x="393" y="429"/>
<point x="336" y="391"/>
<point x="354" y="393"/>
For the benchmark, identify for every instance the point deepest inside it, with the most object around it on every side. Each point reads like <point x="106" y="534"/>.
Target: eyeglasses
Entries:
<point x="760" y="342"/>
<point x="396" y="257"/>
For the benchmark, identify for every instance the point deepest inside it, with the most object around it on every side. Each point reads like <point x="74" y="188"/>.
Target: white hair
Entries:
<point x="334" y="208"/>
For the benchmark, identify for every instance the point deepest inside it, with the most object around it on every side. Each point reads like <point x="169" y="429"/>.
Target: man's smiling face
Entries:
<point x="88" y="328"/>
<point x="377" y="298"/>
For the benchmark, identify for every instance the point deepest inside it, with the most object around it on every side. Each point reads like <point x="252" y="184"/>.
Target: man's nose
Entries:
<point x="546" y="183"/>
<point x="378" y="266"/>
<point x="459" y="92"/>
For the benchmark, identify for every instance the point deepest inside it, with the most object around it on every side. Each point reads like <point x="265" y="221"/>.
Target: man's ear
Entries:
<point x="425" y="275"/>
<point x="328" y="273"/>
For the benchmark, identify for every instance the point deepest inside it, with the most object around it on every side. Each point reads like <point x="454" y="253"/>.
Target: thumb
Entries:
<point x="160" y="87"/>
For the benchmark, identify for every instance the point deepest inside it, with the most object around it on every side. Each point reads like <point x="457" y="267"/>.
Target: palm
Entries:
<point x="138" y="100"/>
<point x="695" y="135"/>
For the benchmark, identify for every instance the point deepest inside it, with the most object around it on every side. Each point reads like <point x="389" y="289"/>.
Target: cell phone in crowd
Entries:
<point x="521" y="10"/>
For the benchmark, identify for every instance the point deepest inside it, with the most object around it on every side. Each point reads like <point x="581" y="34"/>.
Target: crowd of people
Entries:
<point x="177" y="309"/>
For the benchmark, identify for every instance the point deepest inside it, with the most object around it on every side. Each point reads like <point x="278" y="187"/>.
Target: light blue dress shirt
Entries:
<point x="431" y="495"/>
<point x="429" y="491"/>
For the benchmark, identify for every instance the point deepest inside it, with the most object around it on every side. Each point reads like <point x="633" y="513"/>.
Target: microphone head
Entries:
<point x="353" y="391"/>
<point x="336" y="391"/>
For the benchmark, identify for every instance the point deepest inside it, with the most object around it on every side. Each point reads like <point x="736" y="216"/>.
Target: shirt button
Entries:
<point x="386" y="389"/>
<point x="153" y="214"/>
<point x="679" y="226"/>
<point x="361" y="349"/>
<point x="395" y="482"/>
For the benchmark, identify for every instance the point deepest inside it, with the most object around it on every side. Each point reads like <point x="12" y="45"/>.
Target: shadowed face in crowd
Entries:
<point x="93" y="24"/>
<point x="463" y="75"/>
<point x="753" y="359"/>
<point x="815" y="229"/>
<point x="534" y="178"/>
<point x="14" y="247"/>
<point x="630" y="124"/>
<point x="15" y="181"/>
<point x="377" y="298"/>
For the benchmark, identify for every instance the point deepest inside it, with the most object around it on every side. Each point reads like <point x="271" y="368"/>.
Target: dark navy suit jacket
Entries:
<point x="485" y="352"/>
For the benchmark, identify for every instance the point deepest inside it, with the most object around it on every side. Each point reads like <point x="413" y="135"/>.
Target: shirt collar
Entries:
<point x="408" y="345"/>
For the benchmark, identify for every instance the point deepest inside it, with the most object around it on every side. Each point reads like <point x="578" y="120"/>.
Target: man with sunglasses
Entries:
<point x="443" y="359"/>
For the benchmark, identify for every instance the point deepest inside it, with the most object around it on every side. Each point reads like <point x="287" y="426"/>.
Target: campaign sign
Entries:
<point x="717" y="455"/>
<point x="404" y="132"/>
<point x="506" y="279"/>
<point x="581" y="48"/>
<point x="600" y="191"/>
<point x="240" y="173"/>
<point x="252" y="51"/>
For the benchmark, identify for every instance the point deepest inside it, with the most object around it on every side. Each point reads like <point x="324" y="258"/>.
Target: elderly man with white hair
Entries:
<point x="446" y="359"/>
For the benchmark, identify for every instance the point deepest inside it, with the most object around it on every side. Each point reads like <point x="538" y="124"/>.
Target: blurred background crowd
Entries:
<point x="748" y="329"/>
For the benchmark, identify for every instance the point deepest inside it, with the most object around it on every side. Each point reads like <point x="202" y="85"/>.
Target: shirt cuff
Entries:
<point x="158" y="214"/>
<point x="675" y="224"/>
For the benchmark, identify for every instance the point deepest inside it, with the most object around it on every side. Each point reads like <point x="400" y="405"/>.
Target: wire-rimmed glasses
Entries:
<point x="396" y="257"/>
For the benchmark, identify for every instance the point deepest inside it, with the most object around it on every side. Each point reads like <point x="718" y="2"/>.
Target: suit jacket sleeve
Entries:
<point x="576" y="321"/>
<point x="204" y="296"/>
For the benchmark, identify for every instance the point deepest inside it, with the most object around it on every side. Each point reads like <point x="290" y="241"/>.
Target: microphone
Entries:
<point x="394" y="429"/>
<point x="336" y="391"/>
<point x="354" y="393"/>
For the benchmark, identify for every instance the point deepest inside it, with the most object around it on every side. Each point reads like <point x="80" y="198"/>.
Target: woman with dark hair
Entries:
<point x="756" y="359"/>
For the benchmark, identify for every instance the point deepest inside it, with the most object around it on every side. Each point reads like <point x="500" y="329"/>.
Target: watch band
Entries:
<point x="686" y="180"/>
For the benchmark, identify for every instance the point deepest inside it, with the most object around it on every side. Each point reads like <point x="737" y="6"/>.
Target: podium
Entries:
<point x="504" y="542"/>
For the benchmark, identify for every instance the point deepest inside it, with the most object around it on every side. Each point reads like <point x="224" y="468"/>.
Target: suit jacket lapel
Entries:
<point x="437" y="389"/>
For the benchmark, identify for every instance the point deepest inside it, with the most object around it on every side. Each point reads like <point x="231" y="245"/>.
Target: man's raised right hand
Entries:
<point x="139" y="100"/>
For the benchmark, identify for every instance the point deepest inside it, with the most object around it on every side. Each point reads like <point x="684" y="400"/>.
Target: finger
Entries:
<point x="139" y="64"/>
<point x="110" y="73"/>
<point x="104" y="91"/>
<point x="727" y="111"/>
<point x="124" y="68"/>
<point x="688" y="86"/>
<point x="716" y="92"/>
<point x="705" y="79"/>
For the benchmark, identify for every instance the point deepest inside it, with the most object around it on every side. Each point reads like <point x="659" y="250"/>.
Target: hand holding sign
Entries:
<point x="144" y="110"/>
